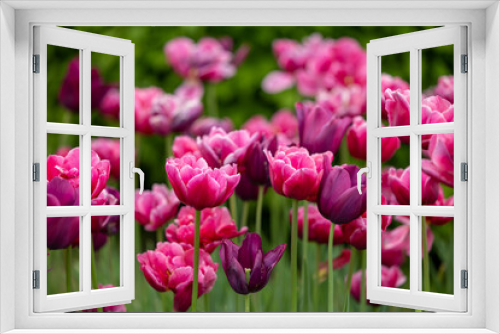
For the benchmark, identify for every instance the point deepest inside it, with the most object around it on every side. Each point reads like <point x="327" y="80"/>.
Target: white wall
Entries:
<point x="7" y="160"/>
<point x="492" y="167"/>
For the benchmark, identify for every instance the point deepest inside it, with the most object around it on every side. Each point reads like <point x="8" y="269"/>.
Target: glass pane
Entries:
<point x="105" y="171"/>
<point x="63" y="170"/>
<point x="105" y="91"/>
<point x="395" y="95"/>
<point x="437" y="261"/>
<point x="106" y="251"/>
<point x="437" y="85"/>
<point x="438" y="169"/>
<point x="63" y="85"/>
<point x="395" y="155"/>
<point x="395" y="252"/>
<point x="63" y="255"/>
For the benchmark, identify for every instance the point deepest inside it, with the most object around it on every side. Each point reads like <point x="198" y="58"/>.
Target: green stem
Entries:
<point x="212" y="100"/>
<point x="194" y="296"/>
<point x="362" y="306"/>
<point x="206" y="302"/>
<point x="305" y="273"/>
<point x="67" y="255"/>
<point x="258" y="215"/>
<point x="247" y="303"/>
<point x="349" y="279"/>
<point x="330" y="267"/>
<point x="111" y="257"/>
<point x="426" y="273"/>
<point x="93" y="268"/>
<point x="244" y="214"/>
<point x="295" y="206"/>
<point x="234" y="208"/>
<point x="165" y="301"/>
<point x="316" y="284"/>
<point x="159" y="234"/>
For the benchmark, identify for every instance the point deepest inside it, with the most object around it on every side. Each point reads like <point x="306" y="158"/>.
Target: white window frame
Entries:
<point x="483" y="20"/>
<point x="85" y="43"/>
<point x="414" y="43"/>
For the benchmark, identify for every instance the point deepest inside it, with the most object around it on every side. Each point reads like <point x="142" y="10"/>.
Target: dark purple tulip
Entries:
<point x="246" y="189"/>
<point x="338" y="197"/>
<point x="319" y="129"/>
<point x="69" y="94"/>
<point x="255" y="163"/>
<point x="235" y="260"/>
<point x="61" y="231"/>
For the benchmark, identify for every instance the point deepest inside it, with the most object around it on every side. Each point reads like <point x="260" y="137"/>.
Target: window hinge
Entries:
<point x="465" y="279"/>
<point x="36" y="279"/>
<point x="464" y="171"/>
<point x="36" y="63"/>
<point x="465" y="64"/>
<point x="36" y="172"/>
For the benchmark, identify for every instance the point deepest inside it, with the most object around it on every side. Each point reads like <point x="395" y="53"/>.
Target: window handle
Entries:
<point x="133" y="170"/>
<point x="368" y="171"/>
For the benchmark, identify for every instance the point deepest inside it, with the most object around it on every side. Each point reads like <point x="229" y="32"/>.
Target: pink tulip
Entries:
<point x="156" y="207"/>
<point x="176" y="113"/>
<point x="319" y="226"/>
<point x="397" y="104"/>
<point x="277" y="81"/>
<point x="102" y="227"/>
<point x="338" y="263"/>
<point x="198" y="185"/>
<point x="170" y="268"/>
<point x="442" y="154"/>
<point x="445" y="88"/>
<point x="344" y="101"/>
<point x="216" y="225"/>
<point x="202" y="126"/>
<point x="184" y="145"/>
<point x="435" y="110"/>
<point x="68" y="168"/>
<point x="207" y="60"/>
<point x="110" y="103"/>
<point x="109" y="149"/>
<point x="356" y="141"/>
<point x="391" y="277"/>
<point x="144" y="98"/>
<point x="400" y="185"/>
<point x="296" y="174"/>
<point x="355" y="233"/>
<point x="393" y="83"/>
<point x="349" y="62"/>
<point x="283" y="124"/>
<point x="258" y="124"/>
<point x="220" y="148"/>
<point x="442" y="201"/>
<point x="114" y="309"/>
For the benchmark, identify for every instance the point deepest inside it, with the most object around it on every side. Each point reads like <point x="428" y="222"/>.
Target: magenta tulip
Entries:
<point x="277" y="81"/>
<point x="283" y="124"/>
<point x="393" y="83"/>
<point x="320" y="130"/>
<point x="236" y="260"/>
<point x="296" y="174"/>
<point x="114" y="309"/>
<point x="184" y="145"/>
<point x="399" y="180"/>
<point x="338" y="263"/>
<point x="110" y="103"/>
<point x="355" y="233"/>
<point x="344" y="101"/>
<point x="144" y="98"/>
<point x="319" y="226"/>
<point x="356" y="141"/>
<point x="198" y="185"/>
<point x="445" y="88"/>
<point x="109" y="149"/>
<point x="338" y="197"/>
<point x="216" y="224"/>
<point x="220" y="148"/>
<point x="202" y="126"/>
<point x="391" y="277"/>
<point x="170" y="268"/>
<point x="442" y="201"/>
<point x="102" y="227"/>
<point x="156" y="207"/>
<point x="441" y="163"/>
<point x="395" y="244"/>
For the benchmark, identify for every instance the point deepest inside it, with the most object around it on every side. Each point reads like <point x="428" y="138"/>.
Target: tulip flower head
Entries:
<point x="338" y="197"/>
<point x="183" y="145"/>
<point x="296" y="174"/>
<point x="319" y="129"/>
<point x="216" y="224"/>
<point x="391" y="277"/>
<point x="202" y="126"/>
<point x="156" y="207"/>
<point x="445" y="88"/>
<point x="109" y="149"/>
<point x="144" y="98"/>
<point x="441" y="163"/>
<point x="170" y="268"/>
<point x="249" y="256"/>
<point x="197" y="185"/>
<point x="399" y="180"/>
